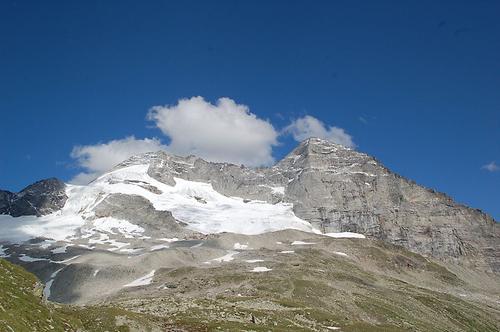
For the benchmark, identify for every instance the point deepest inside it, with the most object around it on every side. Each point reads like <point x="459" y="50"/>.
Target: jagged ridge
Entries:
<point x="338" y="189"/>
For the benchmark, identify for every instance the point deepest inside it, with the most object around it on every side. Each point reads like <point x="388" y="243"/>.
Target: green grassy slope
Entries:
<point x="22" y="309"/>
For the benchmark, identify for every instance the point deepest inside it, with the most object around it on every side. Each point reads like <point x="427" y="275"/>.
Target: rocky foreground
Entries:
<point x="281" y="281"/>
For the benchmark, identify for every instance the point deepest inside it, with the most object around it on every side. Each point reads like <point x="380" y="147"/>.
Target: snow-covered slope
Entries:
<point x="196" y="204"/>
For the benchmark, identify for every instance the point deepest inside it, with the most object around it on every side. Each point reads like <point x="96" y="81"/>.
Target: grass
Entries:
<point x="22" y="309"/>
<point x="309" y="293"/>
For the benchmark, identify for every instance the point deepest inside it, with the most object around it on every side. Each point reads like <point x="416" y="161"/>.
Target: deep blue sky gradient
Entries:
<point x="425" y="75"/>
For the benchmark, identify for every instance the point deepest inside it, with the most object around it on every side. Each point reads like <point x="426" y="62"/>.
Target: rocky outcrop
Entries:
<point x="40" y="198"/>
<point x="139" y="210"/>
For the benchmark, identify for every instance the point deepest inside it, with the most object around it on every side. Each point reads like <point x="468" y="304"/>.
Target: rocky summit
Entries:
<point x="326" y="239"/>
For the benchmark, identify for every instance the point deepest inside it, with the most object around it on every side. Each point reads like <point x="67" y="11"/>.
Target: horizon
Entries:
<point x="86" y="85"/>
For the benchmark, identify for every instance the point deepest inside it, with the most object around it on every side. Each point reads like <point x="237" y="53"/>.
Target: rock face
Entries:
<point x="40" y="198"/>
<point x="5" y="201"/>
<point x="343" y="190"/>
<point x="334" y="188"/>
<point x="338" y="189"/>
<point x="135" y="208"/>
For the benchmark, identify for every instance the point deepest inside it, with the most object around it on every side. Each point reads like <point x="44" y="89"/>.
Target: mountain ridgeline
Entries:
<point x="334" y="188"/>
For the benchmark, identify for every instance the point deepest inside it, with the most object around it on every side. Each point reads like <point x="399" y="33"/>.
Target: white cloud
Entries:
<point x="308" y="126"/>
<point x="99" y="158"/>
<point x="226" y="131"/>
<point x="491" y="167"/>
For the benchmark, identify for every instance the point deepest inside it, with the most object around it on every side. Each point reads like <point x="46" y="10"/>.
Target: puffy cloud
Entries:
<point x="99" y="158"/>
<point x="309" y="126"/>
<point x="224" y="131"/>
<point x="491" y="167"/>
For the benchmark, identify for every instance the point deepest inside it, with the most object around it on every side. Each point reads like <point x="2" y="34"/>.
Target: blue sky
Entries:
<point x="414" y="83"/>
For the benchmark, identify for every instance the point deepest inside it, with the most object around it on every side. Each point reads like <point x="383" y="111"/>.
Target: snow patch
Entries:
<point x="342" y="235"/>
<point x="260" y="269"/>
<point x="113" y="225"/>
<point x="29" y="259"/>
<point x="48" y="285"/>
<point x="158" y="247"/>
<point x="299" y="243"/>
<point x="287" y="252"/>
<point x="46" y="243"/>
<point x="66" y="260"/>
<point x="238" y="246"/>
<point x="226" y="258"/>
<point x="142" y="281"/>
<point x="275" y="190"/>
<point x="2" y="252"/>
<point x="251" y="261"/>
<point x="130" y="251"/>
<point x="340" y="253"/>
<point x="169" y="240"/>
<point x="56" y="226"/>
<point x="60" y="250"/>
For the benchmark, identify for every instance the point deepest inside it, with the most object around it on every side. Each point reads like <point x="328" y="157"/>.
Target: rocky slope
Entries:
<point x="280" y="281"/>
<point x="338" y="189"/>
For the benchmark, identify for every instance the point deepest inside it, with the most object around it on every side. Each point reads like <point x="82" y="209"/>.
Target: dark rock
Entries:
<point x="40" y="198"/>
<point x="5" y="201"/>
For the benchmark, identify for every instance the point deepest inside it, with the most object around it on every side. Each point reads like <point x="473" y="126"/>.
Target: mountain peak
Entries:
<point x="320" y="153"/>
<point x="321" y="142"/>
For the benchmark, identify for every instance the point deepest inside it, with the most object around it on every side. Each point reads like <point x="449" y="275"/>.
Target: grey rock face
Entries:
<point x="334" y="188"/>
<point x="339" y="189"/>
<point x="139" y="210"/>
<point x="40" y="198"/>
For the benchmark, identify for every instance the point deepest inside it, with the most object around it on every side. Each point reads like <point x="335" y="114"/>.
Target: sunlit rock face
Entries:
<point x="340" y="189"/>
<point x="320" y="187"/>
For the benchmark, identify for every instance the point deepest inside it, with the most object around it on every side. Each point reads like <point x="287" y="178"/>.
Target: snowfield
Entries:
<point x="195" y="203"/>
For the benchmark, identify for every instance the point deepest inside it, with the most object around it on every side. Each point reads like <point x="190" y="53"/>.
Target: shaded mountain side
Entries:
<point x="40" y="198"/>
